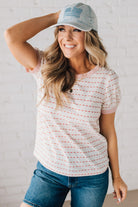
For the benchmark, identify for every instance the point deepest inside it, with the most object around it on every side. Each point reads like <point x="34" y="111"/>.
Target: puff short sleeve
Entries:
<point x="112" y="94"/>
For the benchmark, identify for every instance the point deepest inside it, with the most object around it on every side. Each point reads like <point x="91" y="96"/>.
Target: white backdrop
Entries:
<point x="118" y="28"/>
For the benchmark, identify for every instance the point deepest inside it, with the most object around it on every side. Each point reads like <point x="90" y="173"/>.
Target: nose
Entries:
<point x="68" y="35"/>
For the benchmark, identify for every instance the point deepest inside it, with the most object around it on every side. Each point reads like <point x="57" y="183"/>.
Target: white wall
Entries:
<point x="117" y="20"/>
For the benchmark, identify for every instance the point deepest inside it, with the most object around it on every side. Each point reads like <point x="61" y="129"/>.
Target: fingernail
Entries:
<point x="119" y="199"/>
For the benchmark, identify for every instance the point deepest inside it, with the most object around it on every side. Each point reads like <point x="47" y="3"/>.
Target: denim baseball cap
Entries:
<point x="80" y="16"/>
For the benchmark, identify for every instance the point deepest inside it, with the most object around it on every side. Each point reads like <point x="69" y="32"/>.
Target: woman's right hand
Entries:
<point x="58" y="13"/>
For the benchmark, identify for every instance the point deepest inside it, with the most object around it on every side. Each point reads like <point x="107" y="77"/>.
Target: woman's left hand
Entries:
<point x="120" y="189"/>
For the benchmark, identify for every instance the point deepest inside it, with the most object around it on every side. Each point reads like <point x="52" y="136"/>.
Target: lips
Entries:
<point x="69" y="46"/>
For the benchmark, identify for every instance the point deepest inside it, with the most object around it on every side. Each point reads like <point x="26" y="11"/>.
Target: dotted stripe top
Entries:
<point x="68" y="141"/>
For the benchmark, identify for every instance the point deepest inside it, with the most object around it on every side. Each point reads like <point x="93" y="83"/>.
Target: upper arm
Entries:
<point x="23" y="52"/>
<point x="106" y="123"/>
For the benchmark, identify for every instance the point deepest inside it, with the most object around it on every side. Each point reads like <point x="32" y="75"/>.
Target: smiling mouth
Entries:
<point x="69" y="46"/>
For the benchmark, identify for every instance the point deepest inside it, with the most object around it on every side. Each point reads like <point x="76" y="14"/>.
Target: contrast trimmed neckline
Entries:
<point x="84" y="75"/>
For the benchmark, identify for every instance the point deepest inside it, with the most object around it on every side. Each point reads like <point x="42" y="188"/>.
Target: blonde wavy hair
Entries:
<point x="58" y="76"/>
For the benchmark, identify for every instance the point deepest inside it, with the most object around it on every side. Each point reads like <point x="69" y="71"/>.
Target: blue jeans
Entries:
<point x="49" y="189"/>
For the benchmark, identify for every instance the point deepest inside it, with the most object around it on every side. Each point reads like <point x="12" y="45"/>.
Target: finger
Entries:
<point x="124" y="194"/>
<point x="114" y="195"/>
<point x="118" y="196"/>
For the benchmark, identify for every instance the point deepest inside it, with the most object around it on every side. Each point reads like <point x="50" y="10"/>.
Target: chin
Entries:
<point x="68" y="56"/>
<point x="71" y="55"/>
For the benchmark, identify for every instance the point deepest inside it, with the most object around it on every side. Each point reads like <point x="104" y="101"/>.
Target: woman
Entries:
<point x="77" y="98"/>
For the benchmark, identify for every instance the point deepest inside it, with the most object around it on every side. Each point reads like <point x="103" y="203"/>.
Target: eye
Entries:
<point x="77" y="30"/>
<point x="61" y="29"/>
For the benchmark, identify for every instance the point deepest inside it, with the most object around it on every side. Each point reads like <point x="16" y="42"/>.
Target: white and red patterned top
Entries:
<point x="68" y="141"/>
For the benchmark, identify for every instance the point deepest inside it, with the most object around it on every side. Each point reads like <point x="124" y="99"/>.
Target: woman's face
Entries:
<point x="71" y="41"/>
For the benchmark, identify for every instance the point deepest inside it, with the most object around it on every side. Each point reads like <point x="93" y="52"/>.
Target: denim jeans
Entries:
<point x="49" y="189"/>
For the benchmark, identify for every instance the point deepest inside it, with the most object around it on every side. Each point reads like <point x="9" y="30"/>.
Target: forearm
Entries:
<point x="113" y="155"/>
<point x="107" y="129"/>
<point x="23" y="31"/>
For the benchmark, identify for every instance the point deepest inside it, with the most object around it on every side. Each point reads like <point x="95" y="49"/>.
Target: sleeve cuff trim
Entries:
<point x="109" y="111"/>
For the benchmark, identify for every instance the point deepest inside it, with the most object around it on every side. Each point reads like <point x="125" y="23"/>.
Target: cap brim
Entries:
<point x="72" y="24"/>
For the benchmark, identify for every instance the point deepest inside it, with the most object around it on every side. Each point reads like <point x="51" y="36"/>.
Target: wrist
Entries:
<point x="50" y="19"/>
<point x="116" y="177"/>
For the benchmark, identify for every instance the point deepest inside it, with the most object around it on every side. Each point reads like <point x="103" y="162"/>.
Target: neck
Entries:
<point x="80" y="64"/>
